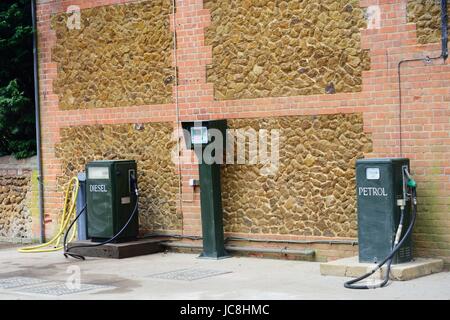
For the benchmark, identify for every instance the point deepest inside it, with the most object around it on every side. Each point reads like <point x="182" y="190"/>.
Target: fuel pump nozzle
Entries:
<point x="411" y="182"/>
<point x="408" y="182"/>
<point x="133" y="183"/>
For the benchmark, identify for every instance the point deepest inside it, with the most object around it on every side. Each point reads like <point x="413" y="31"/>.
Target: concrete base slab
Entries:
<point x="350" y="267"/>
<point x="250" y="279"/>
<point x="118" y="250"/>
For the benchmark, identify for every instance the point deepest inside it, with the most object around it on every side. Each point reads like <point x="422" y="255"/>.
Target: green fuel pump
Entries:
<point x="110" y="199"/>
<point x="381" y="191"/>
<point x="111" y="204"/>
<point x="200" y="137"/>
<point x="386" y="196"/>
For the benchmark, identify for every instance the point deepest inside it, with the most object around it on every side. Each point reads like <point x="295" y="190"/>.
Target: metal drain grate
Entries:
<point x="189" y="274"/>
<point x="15" y="282"/>
<point x="59" y="289"/>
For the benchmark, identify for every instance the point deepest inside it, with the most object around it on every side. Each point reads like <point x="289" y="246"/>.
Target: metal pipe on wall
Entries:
<point x="317" y="241"/>
<point x="232" y="238"/>
<point x="303" y="252"/>
<point x="177" y="110"/>
<point x="38" y="122"/>
<point x="444" y="29"/>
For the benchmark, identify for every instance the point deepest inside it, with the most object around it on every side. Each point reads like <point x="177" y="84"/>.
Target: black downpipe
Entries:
<point x="37" y="110"/>
<point x="444" y="28"/>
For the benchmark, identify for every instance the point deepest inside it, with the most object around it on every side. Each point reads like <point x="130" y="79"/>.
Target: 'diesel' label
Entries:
<point x="97" y="188"/>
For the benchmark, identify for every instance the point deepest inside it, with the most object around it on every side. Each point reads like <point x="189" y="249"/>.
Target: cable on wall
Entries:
<point x="177" y="111"/>
<point x="427" y="59"/>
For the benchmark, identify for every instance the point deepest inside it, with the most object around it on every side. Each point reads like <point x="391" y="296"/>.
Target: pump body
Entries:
<point x="382" y="193"/>
<point x="111" y="199"/>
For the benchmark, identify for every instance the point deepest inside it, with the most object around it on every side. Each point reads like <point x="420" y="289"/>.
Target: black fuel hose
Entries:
<point x="351" y="284"/>
<point x="66" y="251"/>
<point x="388" y="269"/>
<point x="81" y="257"/>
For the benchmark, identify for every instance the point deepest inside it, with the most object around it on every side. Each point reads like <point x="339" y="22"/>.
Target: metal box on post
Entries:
<point x="379" y="184"/>
<point x="110" y="199"/>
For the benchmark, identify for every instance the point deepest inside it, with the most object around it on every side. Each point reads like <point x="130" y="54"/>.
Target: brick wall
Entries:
<point x="425" y="112"/>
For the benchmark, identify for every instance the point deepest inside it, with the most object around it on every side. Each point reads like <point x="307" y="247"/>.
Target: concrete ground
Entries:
<point x="248" y="278"/>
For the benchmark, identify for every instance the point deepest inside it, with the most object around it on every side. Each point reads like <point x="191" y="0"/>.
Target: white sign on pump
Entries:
<point x="373" y="173"/>
<point x="98" y="173"/>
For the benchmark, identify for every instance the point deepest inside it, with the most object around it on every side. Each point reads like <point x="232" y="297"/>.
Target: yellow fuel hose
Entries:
<point x="69" y="213"/>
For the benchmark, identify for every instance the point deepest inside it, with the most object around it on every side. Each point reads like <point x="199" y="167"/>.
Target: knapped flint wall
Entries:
<point x="313" y="192"/>
<point x="150" y="146"/>
<point x="427" y="16"/>
<point x="121" y="56"/>
<point x="15" y="215"/>
<point x="275" y="48"/>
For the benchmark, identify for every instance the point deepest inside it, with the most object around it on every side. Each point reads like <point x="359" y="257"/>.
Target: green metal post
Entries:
<point x="211" y="209"/>
<point x="210" y="190"/>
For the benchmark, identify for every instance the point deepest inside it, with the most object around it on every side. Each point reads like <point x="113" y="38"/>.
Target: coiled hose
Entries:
<point x="351" y="284"/>
<point x="69" y="212"/>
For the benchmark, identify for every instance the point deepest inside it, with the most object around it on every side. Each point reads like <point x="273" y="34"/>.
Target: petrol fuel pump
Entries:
<point x="386" y="203"/>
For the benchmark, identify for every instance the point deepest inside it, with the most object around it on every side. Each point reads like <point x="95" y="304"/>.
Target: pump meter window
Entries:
<point x="98" y="173"/>
<point x="373" y="173"/>
<point x="199" y="135"/>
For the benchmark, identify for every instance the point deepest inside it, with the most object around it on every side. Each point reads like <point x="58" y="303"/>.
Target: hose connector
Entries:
<point x="412" y="183"/>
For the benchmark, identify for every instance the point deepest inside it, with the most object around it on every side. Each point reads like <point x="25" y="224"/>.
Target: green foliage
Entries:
<point x="17" y="124"/>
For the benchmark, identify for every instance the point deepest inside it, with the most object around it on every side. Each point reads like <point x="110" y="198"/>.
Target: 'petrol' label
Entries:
<point x="372" y="192"/>
<point x="97" y="188"/>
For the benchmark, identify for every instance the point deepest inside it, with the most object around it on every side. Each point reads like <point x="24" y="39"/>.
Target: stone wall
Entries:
<point x="15" y="215"/>
<point x="149" y="144"/>
<point x="17" y="198"/>
<point x="285" y="48"/>
<point x="313" y="192"/>
<point x="121" y="56"/>
<point x="427" y="16"/>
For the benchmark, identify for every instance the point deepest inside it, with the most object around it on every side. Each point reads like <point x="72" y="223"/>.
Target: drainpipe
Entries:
<point x="444" y="29"/>
<point x="38" y="122"/>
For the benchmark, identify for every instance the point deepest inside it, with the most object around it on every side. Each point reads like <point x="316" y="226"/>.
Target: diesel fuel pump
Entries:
<point x="386" y="203"/>
<point x="111" y="204"/>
